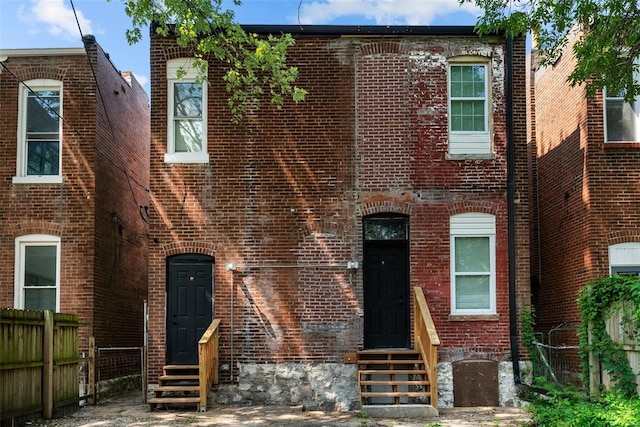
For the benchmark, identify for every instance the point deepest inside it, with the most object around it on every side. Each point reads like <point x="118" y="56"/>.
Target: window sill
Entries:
<point x="42" y="179"/>
<point x="487" y="156"/>
<point x="621" y="145"/>
<point x="474" y="317"/>
<point x="186" y="158"/>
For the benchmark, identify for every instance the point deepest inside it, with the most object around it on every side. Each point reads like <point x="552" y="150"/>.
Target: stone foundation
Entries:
<point x="315" y="386"/>
<point x="331" y="386"/>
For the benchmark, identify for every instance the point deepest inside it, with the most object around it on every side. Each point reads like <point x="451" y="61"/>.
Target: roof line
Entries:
<point x="364" y="30"/>
<point x="38" y="51"/>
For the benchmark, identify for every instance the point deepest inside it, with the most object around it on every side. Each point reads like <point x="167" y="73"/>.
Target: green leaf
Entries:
<point x="257" y="68"/>
<point x="608" y="46"/>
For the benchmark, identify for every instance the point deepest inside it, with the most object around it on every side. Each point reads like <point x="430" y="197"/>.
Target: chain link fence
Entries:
<point x="556" y="357"/>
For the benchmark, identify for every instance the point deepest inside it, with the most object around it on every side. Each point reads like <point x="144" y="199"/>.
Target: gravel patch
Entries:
<point x="132" y="412"/>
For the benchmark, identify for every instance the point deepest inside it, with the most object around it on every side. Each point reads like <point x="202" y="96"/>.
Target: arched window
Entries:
<point x="469" y="107"/>
<point x="39" y="156"/>
<point x="624" y="258"/>
<point x="37" y="272"/>
<point x="187" y="111"/>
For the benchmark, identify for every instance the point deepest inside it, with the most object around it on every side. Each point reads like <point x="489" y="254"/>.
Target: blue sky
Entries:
<point x="51" y="23"/>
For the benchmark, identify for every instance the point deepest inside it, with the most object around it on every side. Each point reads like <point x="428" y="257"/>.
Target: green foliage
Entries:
<point x="596" y="301"/>
<point x="568" y="409"/>
<point x="607" y="51"/>
<point x="256" y="66"/>
<point x="563" y="407"/>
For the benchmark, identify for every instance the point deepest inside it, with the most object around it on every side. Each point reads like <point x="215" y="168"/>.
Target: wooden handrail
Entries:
<point x="208" y="358"/>
<point x="426" y="340"/>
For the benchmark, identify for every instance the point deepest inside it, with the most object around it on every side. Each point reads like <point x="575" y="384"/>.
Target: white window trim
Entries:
<point x="191" y="75"/>
<point x="21" y="157"/>
<point x="636" y="107"/>
<point x="19" y="270"/>
<point x="464" y="143"/>
<point x="473" y="224"/>
<point x="624" y="255"/>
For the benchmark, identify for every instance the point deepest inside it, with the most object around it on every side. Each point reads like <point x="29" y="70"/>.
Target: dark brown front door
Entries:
<point x="386" y="283"/>
<point x="189" y="305"/>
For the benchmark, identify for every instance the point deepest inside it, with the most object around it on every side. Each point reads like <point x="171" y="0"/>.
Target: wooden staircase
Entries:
<point x="190" y="384"/>
<point x="179" y="385"/>
<point x="393" y="377"/>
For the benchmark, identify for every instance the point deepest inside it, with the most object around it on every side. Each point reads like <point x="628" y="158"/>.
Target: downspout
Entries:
<point x="511" y="220"/>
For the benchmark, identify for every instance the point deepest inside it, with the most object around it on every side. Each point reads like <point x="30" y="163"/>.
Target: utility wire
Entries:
<point x="67" y="123"/>
<point x="299" y="6"/>
<point x="106" y="111"/>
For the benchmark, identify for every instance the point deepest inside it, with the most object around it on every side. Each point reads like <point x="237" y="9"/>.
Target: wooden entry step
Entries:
<point x="392" y="377"/>
<point x="179" y="384"/>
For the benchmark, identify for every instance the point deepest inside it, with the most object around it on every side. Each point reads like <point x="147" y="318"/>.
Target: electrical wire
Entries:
<point x="106" y="112"/>
<point x="68" y="124"/>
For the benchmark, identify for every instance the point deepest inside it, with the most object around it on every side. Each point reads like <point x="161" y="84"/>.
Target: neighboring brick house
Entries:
<point x="75" y="137"/>
<point x="586" y="152"/>
<point x="394" y="170"/>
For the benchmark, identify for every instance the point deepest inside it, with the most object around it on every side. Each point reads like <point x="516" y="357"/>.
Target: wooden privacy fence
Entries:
<point x="622" y="332"/>
<point x="38" y="362"/>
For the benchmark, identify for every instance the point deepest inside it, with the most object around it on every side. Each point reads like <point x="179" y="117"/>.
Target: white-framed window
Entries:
<point x="469" y="105"/>
<point x="624" y="258"/>
<point x="621" y="118"/>
<point x="473" y="270"/>
<point x="187" y="114"/>
<point x="39" y="155"/>
<point x="37" y="272"/>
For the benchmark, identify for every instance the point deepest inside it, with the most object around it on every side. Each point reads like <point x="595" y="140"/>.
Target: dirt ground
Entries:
<point x="132" y="412"/>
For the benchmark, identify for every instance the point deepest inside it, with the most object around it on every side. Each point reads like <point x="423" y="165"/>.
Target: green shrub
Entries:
<point x="569" y="409"/>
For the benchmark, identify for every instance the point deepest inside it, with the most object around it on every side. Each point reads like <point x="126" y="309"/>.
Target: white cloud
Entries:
<point x="56" y="18"/>
<point x="382" y="12"/>
<point x="142" y="79"/>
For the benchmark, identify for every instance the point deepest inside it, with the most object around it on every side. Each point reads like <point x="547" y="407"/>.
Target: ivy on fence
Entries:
<point x="597" y="301"/>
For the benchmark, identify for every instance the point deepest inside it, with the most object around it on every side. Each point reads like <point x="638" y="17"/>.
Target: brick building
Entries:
<point x="74" y="167"/>
<point x="586" y="153"/>
<point x="405" y="167"/>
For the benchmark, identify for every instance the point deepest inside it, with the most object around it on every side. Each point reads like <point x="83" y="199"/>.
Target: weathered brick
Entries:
<point x="287" y="190"/>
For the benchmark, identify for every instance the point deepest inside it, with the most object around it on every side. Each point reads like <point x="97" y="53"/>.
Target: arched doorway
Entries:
<point x="386" y="281"/>
<point x="190" y="293"/>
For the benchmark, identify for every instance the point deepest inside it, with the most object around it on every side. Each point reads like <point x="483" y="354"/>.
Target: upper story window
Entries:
<point x="469" y="132"/>
<point x="622" y="119"/>
<point x="473" y="271"/>
<point x="187" y="112"/>
<point x="39" y="155"/>
<point x="37" y="272"/>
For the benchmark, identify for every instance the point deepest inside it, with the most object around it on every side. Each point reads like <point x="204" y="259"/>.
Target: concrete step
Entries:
<point x="400" y="411"/>
<point x="155" y="401"/>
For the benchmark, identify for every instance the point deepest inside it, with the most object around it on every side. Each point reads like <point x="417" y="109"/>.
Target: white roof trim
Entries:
<point x="58" y="51"/>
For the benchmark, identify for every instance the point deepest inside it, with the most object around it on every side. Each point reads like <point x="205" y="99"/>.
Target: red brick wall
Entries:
<point x="64" y="210"/>
<point x="286" y="191"/>
<point x="122" y="195"/>
<point x="563" y="191"/>
<point x="69" y="210"/>
<point x="587" y="190"/>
